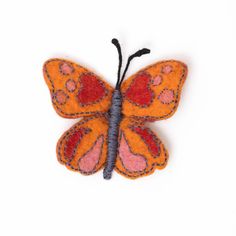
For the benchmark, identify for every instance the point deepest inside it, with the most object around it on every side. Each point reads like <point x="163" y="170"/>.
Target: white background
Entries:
<point x="194" y="195"/>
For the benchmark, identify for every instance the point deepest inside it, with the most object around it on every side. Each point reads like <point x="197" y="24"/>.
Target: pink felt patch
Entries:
<point x="166" y="96"/>
<point x="167" y="69"/>
<point x="89" y="161"/>
<point x="66" y="68"/>
<point x="61" y="97"/>
<point x="157" y="80"/>
<point x="70" y="85"/>
<point x="132" y="162"/>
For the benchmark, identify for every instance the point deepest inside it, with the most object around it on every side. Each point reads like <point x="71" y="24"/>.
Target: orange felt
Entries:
<point x="60" y="79"/>
<point x="138" y="146"/>
<point x="97" y="127"/>
<point x="156" y="98"/>
<point x="165" y="76"/>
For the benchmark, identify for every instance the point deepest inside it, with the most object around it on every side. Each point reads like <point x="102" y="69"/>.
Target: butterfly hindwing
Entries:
<point x="154" y="92"/>
<point x="140" y="151"/>
<point x="75" y="90"/>
<point x="83" y="147"/>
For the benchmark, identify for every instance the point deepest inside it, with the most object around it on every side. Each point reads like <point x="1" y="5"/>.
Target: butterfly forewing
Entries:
<point x="154" y="92"/>
<point x="75" y="90"/>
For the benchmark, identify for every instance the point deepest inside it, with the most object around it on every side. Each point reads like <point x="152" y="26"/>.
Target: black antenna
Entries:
<point x="139" y="53"/>
<point x="117" y="44"/>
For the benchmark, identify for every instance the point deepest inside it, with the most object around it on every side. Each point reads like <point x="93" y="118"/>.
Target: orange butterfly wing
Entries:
<point x="154" y="92"/>
<point x="76" y="91"/>
<point x="83" y="147"/>
<point x="140" y="151"/>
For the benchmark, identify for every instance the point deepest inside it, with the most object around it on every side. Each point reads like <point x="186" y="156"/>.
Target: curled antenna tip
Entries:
<point x="141" y="52"/>
<point x="114" y="41"/>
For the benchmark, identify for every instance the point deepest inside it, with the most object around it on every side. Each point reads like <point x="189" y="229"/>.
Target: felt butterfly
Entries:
<point x="111" y="133"/>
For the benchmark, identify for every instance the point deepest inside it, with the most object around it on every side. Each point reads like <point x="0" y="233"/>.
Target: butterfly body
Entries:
<point x="112" y="133"/>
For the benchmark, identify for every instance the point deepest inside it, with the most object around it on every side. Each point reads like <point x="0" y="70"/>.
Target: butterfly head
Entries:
<point x="139" y="53"/>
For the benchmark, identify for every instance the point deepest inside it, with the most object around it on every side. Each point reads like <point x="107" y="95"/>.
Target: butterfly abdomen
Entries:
<point x="113" y="132"/>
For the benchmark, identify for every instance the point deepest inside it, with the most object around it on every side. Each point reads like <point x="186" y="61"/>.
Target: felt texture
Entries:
<point x="164" y="86"/>
<point x="142" y="144"/>
<point x="76" y="91"/>
<point x="151" y="94"/>
<point x="83" y="148"/>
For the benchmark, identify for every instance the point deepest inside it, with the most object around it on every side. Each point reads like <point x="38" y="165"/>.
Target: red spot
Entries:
<point x="139" y="91"/>
<point x="150" y="139"/>
<point x="92" y="89"/>
<point x="72" y="142"/>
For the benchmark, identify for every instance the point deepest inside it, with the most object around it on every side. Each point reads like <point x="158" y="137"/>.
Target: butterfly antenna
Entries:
<point x="137" y="54"/>
<point x="117" y="44"/>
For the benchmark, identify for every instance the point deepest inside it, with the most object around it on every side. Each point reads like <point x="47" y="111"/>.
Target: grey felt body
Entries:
<point x="113" y="133"/>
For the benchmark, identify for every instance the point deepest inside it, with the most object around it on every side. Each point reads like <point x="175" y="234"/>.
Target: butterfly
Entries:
<point x="112" y="132"/>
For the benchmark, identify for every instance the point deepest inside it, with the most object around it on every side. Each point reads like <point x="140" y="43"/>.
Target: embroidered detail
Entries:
<point x="90" y="160"/>
<point x="70" y="85"/>
<point x="166" y="96"/>
<point x="157" y="80"/>
<point x="139" y="92"/>
<point x="66" y="68"/>
<point x="167" y="69"/>
<point x="61" y="97"/>
<point x="152" y="142"/>
<point x="87" y="95"/>
<point x="73" y="141"/>
<point x="131" y="162"/>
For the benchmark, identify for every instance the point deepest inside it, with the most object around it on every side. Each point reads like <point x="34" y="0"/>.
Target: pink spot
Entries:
<point x="61" y="97"/>
<point x="166" y="96"/>
<point x="70" y="85"/>
<point x="157" y="80"/>
<point x="132" y="162"/>
<point x="89" y="161"/>
<point x="167" y="69"/>
<point x="66" y="68"/>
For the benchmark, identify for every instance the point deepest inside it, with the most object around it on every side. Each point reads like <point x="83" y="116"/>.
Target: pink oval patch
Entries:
<point x="61" y="97"/>
<point x="167" y="69"/>
<point x="157" y="80"/>
<point x="66" y="68"/>
<point x="70" y="85"/>
<point x="89" y="161"/>
<point x="166" y="96"/>
<point x="132" y="162"/>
